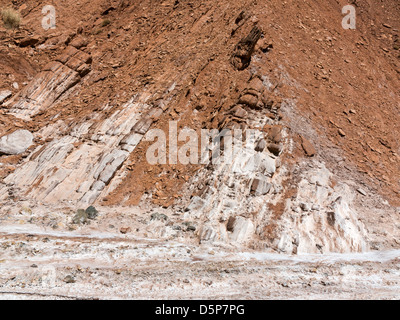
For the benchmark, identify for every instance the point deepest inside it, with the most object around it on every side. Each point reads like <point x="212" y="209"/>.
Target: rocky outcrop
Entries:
<point x="82" y="166"/>
<point x="50" y="84"/>
<point x="247" y="201"/>
<point x="243" y="51"/>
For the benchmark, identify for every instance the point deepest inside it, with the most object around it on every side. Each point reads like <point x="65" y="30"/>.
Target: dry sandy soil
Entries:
<point x="317" y="218"/>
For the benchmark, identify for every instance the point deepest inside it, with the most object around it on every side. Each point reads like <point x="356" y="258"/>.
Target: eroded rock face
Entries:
<point x="54" y="80"/>
<point x="72" y="170"/>
<point x="15" y="143"/>
<point x="321" y="218"/>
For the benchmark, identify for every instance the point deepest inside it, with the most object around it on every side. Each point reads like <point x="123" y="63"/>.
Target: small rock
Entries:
<point x="15" y="85"/>
<point x="308" y="148"/>
<point x="264" y="45"/>
<point x="341" y="133"/>
<point x="315" y="207"/>
<point x="69" y="279"/>
<point x="189" y="226"/>
<point x="361" y="191"/>
<point x="295" y="209"/>
<point x="34" y="266"/>
<point x="331" y="218"/>
<point x="91" y="213"/>
<point x="125" y="230"/>
<point x="249" y="100"/>
<point x="158" y="216"/>
<point x="305" y="207"/>
<point x="80" y="217"/>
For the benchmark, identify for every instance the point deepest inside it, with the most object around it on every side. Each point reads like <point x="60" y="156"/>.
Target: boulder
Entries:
<point x="230" y="224"/>
<point x="241" y="57"/>
<point x="16" y="143"/>
<point x="267" y="165"/>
